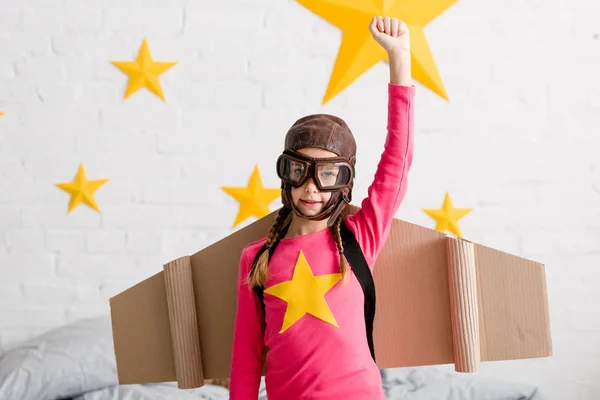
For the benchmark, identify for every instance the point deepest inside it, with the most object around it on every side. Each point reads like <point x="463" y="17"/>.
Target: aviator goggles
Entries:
<point x="328" y="174"/>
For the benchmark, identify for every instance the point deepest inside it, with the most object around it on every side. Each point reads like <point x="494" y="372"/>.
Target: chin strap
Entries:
<point x="338" y="210"/>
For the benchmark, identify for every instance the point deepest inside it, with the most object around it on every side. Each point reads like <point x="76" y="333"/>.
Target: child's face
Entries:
<point x="307" y="198"/>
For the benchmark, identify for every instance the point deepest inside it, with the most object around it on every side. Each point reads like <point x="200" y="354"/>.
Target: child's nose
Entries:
<point x="310" y="186"/>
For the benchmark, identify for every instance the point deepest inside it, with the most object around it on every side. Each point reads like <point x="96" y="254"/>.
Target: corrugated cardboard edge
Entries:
<point x="179" y="285"/>
<point x="464" y="310"/>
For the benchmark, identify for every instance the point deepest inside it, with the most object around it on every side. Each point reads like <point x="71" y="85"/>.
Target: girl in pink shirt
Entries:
<point x="313" y="323"/>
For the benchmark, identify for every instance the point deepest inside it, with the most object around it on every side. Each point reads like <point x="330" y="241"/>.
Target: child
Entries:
<point x="313" y="324"/>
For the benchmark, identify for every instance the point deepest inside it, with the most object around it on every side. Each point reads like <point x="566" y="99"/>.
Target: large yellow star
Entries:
<point x="254" y="199"/>
<point x="359" y="52"/>
<point x="82" y="190"/>
<point x="447" y="217"/>
<point x="144" y="72"/>
<point x="305" y="294"/>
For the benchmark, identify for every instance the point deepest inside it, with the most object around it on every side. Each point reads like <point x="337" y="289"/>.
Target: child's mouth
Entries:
<point x="310" y="203"/>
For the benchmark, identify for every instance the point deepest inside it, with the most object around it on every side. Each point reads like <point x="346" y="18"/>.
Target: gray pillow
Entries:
<point x="60" y="363"/>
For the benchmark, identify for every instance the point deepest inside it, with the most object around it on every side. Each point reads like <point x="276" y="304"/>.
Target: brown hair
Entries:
<point x="344" y="266"/>
<point x="258" y="276"/>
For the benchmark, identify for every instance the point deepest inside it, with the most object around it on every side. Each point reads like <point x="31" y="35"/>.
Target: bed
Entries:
<point x="76" y="362"/>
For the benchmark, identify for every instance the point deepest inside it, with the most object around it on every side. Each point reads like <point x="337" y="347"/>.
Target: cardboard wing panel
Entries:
<point x="413" y="323"/>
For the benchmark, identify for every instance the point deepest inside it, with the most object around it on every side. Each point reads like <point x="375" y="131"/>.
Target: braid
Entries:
<point x="344" y="266"/>
<point x="259" y="275"/>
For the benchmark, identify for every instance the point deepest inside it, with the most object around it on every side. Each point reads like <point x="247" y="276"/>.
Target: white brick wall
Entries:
<point x="524" y="83"/>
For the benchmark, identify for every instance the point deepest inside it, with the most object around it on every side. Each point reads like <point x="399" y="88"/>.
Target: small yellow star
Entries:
<point x="305" y="294"/>
<point x="82" y="190"/>
<point x="144" y="72"/>
<point x="358" y="51"/>
<point x="1" y="113"/>
<point x="447" y="217"/>
<point x="254" y="199"/>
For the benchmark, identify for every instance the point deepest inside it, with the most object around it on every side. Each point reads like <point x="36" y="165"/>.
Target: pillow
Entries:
<point x="61" y="363"/>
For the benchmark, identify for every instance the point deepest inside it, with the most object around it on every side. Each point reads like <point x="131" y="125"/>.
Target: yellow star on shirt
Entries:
<point x="447" y="217"/>
<point x="82" y="190"/>
<point x="359" y="52"/>
<point x="144" y="72"/>
<point x="254" y="199"/>
<point x="305" y="294"/>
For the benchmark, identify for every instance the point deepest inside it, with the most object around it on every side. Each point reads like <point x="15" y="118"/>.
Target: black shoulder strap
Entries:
<point x="359" y="266"/>
<point x="361" y="269"/>
<point x="260" y="289"/>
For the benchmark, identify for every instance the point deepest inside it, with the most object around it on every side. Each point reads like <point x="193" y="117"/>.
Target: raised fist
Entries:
<point x="391" y="34"/>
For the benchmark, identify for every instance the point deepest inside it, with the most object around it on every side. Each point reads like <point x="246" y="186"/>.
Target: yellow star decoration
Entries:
<point x="305" y="294"/>
<point x="447" y="217"/>
<point x="82" y="190"/>
<point x="1" y="113"/>
<point x="359" y="52"/>
<point x="144" y="72"/>
<point x="254" y="199"/>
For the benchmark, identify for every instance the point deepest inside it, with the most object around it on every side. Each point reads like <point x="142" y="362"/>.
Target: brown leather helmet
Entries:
<point x="330" y="133"/>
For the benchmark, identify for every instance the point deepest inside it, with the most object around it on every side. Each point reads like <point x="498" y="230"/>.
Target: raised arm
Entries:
<point x="248" y="343"/>
<point x="371" y="224"/>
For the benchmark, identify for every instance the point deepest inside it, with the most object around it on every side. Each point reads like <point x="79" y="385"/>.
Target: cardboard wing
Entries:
<point x="440" y="300"/>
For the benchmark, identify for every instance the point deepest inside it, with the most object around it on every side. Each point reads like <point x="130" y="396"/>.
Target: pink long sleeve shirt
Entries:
<point x="316" y="338"/>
